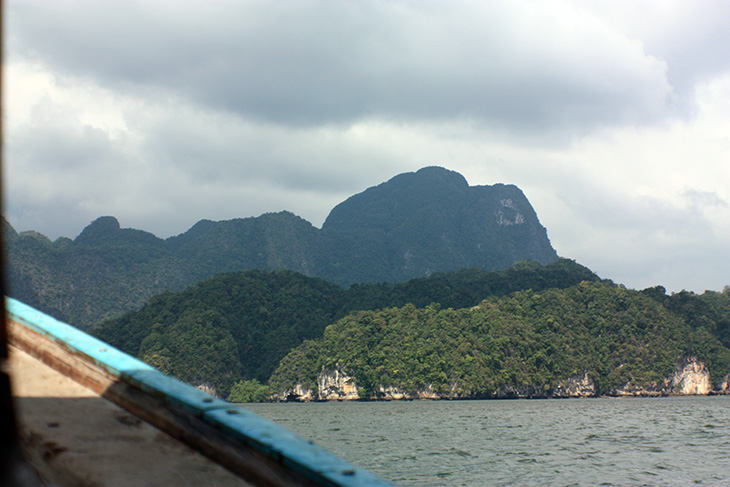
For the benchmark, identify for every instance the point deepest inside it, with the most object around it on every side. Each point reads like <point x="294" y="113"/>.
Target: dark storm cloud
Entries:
<point x="531" y="66"/>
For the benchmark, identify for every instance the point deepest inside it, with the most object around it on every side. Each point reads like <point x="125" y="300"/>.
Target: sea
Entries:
<point x="667" y="441"/>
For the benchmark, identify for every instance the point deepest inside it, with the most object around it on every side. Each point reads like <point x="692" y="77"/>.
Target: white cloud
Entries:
<point x="651" y="196"/>
<point x="690" y="36"/>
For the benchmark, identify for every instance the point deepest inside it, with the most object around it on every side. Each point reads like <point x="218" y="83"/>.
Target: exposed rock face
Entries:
<point x="725" y="385"/>
<point x="207" y="388"/>
<point x="391" y="393"/>
<point x="508" y="214"/>
<point x="332" y="385"/>
<point x="298" y="393"/>
<point x="428" y="393"/>
<point x="635" y="391"/>
<point x="521" y="392"/>
<point x="690" y="377"/>
<point x="579" y="385"/>
<point x="336" y="385"/>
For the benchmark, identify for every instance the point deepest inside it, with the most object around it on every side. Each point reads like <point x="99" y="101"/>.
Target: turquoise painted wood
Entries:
<point x="300" y="455"/>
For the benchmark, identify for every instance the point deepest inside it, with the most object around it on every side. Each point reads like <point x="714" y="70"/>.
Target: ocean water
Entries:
<point x="673" y="441"/>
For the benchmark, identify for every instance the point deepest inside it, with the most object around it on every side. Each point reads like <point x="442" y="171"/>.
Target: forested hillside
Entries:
<point x="105" y="271"/>
<point x="108" y="270"/>
<point x="526" y="343"/>
<point x="412" y="226"/>
<point x="231" y="327"/>
<point x="239" y="326"/>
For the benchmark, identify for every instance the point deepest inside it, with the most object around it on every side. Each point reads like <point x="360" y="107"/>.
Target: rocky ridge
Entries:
<point x="412" y="226"/>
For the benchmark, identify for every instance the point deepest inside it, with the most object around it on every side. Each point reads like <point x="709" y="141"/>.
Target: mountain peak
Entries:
<point x="426" y="179"/>
<point x="438" y="174"/>
<point x="100" y="229"/>
<point x="106" y="230"/>
<point x="397" y="198"/>
<point x="430" y="221"/>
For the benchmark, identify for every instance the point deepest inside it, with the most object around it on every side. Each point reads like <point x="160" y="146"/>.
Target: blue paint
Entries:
<point x="299" y="454"/>
<point x="274" y="441"/>
<point x="117" y="363"/>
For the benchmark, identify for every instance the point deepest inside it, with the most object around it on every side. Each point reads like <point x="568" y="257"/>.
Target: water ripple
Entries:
<point x="590" y="442"/>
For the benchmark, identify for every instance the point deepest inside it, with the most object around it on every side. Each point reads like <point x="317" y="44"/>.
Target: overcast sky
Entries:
<point x="613" y="117"/>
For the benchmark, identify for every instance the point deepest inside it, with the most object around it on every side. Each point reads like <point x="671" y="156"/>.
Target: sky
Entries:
<point x="612" y="116"/>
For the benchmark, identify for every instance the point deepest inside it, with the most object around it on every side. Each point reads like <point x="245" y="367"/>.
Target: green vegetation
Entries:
<point x="429" y="221"/>
<point x="525" y="339"/>
<point x="469" y="333"/>
<point x="105" y="272"/>
<point x="708" y="314"/>
<point x="229" y="328"/>
<point x="249" y="391"/>
<point x="198" y="348"/>
<point x="239" y="326"/>
<point x="467" y="287"/>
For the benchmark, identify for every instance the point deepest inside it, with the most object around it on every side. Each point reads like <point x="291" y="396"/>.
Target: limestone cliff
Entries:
<point x="332" y="385"/>
<point x="336" y="385"/>
<point x="690" y="377"/>
<point x="408" y="227"/>
<point x="579" y="385"/>
<point x="725" y="385"/>
<point x="429" y="221"/>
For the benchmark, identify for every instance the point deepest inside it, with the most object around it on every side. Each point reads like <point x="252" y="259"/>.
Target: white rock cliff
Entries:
<point x="690" y="377"/>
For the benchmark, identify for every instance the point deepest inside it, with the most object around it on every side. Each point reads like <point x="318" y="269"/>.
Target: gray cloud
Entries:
<point x="528" y="66"/>
<point x="704" y="199"/>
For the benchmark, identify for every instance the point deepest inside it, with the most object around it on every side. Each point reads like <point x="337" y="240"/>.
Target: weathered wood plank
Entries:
<point x="73" y="437"/>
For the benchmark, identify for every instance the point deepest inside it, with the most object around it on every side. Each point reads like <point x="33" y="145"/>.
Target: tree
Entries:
<point x="249" y="391"/>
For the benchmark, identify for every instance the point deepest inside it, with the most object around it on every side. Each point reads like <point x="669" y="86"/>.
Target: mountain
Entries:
<point x="271" y="241"/>
<point x="238" y="326"/>
<point x="412" y="226"/>
<point x="430" y="221"/>
<point x="104" y="272"/>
